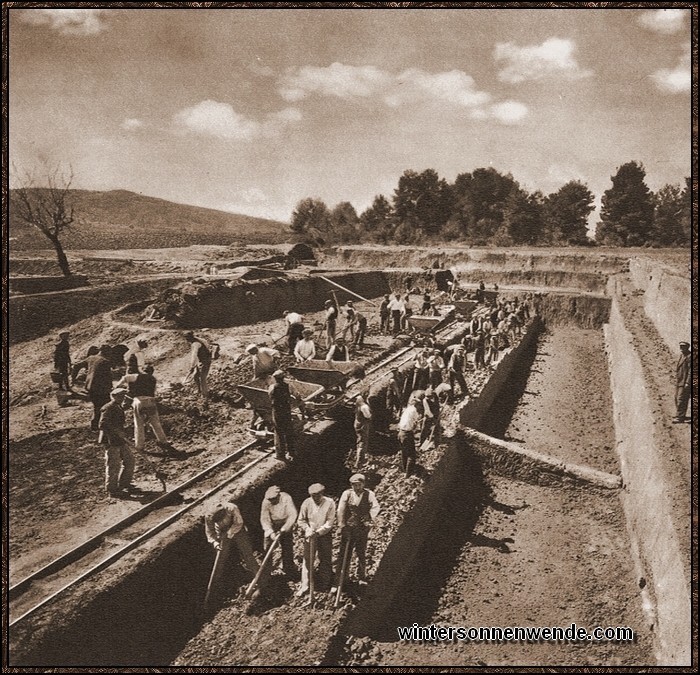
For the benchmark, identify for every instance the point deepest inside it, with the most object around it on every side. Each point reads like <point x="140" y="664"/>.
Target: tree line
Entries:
<point x="488" y="208"/>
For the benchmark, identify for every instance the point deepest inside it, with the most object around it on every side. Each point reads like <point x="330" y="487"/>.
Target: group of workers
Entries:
<point x="316" y="520"/>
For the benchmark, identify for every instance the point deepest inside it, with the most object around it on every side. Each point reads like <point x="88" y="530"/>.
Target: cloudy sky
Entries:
<point x="250" y="110"/>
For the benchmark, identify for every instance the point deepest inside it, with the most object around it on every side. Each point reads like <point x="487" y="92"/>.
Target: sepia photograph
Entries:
<point x="347" y="336"/>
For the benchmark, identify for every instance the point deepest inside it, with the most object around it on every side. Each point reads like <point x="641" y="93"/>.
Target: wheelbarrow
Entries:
<point x="427" y="324"/>
<point x="465" y="307"/>
<point x="328" y="374"/>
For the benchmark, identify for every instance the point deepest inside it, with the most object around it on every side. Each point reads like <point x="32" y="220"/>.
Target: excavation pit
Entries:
<point x="158" y="598"/>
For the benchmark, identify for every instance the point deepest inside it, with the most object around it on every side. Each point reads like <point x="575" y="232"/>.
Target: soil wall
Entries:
<point x="667" y="299"/>
<point x="45" y="284"/>
<point x="561" y="309"/>
<point x="645" y="498"/>
<point x="33" y="315"/>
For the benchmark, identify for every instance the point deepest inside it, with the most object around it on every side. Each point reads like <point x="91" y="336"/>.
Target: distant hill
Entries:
<point x="121" y="219"/>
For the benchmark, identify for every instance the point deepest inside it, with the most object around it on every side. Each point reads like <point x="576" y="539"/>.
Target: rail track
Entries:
<point x="111" y="544"/>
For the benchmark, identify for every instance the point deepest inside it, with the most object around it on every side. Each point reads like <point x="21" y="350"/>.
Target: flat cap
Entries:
<point x="316" y="488"/>
<point x="357" y="477"/>
<point x="119" y="391"/>
<point x="684" y="344"/>
<point x="278" y="373"/>
<point x="251" y="347"/>
<point x="272" y="492"/>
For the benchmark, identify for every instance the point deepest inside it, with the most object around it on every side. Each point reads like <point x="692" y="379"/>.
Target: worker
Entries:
<point x="358" y="509"/>
<point x="79" y="366"/>
<point x="409" y="423"/>
<point x="141" y="387"/>
<point x="224" y="526"/>
<point x="316" y="517"/>
<point x="62" y="361"/>
<point x="455" y="369"/>
<point x="277" y="517"/>
<point x="377" y="402"/>
<point x="281" y="400"/>
<point x="98" y="382"/>
<point x="436" y="364"/>
<point x="494" y="346"/>
<point x="338" y="351"/>
<point x="200" y="362"/>
<point x="350" y="321"/>
<point x="427" y="304"/>
<point x="421" y="369"/>
<point x="295" y="328"/>
<point x="407" y="311"/>
<point x="361" y="323"/>
<point x="479" y="350"/>
<point x="305" y="349"/>
<point x="394" y="394"/>
<point x="265" y="360"/>
<point x="330" y="323"/>
<point x="135" y="357"/>
<point x="430" y="428"/>
<point x="682" y="383"/>
<point x="119" y="457"/>
<point x="363" y="426"/>
<point x="384" y="315"/>
<point x="397" y="308"/>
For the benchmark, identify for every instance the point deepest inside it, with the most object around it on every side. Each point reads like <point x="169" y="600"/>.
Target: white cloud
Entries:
<point x="454" y="87"/>
<point x="337" y="79"/>
<point x="665" y="21"/>
<point x="554" y="57"/>
<point x="220" y="120"/>
<point x="131" y="123"/>
<point x="509" y="112"/>
<point x="67" y="21"/>
<point x="675" y="80"/>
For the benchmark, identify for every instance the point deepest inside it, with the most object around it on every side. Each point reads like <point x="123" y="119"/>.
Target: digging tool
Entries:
<point x="219" y="563"/>
<point x="311" y="563"/>
<point x="343" y="572"/>
<point x="263" y="566"/>
<point x="347" y="290"/>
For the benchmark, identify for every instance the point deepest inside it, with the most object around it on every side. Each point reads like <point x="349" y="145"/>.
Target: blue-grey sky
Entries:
<point x="251" y="110"/>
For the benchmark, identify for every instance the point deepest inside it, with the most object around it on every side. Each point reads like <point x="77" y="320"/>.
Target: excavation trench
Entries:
<point x="151" y="607"/>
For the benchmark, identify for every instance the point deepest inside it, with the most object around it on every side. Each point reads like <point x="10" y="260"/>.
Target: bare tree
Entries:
<point x="46" y="208"/>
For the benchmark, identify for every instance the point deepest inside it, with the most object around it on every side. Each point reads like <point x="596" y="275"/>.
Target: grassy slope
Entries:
<point x="122" y="219"/>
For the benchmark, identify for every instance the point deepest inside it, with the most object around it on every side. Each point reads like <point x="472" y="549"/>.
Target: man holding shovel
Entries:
<point x="357" y="510"/>
<point x="316" y="517"/>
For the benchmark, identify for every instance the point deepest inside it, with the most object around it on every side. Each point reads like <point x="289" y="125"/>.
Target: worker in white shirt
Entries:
<point x="350" y="321"/>
<point x="363" y="427"/>
<point x="264" y="359"/>
<point x="397" y="307"/>
<point x="295" y="327"/>
<point x="409" y="423"/>
<point x="316" y="517"/>
<point x="277" y="517"/>
<point x="436" y="364"/>
<point x="305" y="349"/>
<point x="358" y="508"/>
<point x="135" y="357"/>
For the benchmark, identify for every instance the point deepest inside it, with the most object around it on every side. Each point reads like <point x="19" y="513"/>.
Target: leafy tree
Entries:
<point x="567" y="212"/>
<point x="523" y="217"/>
<point x="48" y="209"/>
<point x="479" y="199"/>
<point x="627" y="213"/>
<point x="311" y="216"/>
<point x="378" y="220"/>
<point x="344" y="222"/>
<point x="423" y="200"/>
<point x="686" y="218"/>
<point x="668" y="217"/>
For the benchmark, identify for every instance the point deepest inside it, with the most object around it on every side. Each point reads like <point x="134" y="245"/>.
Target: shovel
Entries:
<point x="343" y="572"/>
<point x="268" y="556"/>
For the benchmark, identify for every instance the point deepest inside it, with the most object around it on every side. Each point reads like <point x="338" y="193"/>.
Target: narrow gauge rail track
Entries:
<point x="189" y="490"/>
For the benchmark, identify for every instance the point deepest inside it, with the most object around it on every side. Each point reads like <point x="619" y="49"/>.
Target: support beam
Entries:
<point x="347" y="290"/>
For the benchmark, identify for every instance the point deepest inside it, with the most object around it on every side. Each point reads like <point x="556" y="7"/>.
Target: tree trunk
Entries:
<point x="61" y="255"/>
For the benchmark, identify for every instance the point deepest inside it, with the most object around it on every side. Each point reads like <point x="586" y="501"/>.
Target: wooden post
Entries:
<point x="218" y="569"/>
<point x="347" y="290"/>
<point x="263" y="566"/>
<point x="343" y="572"/>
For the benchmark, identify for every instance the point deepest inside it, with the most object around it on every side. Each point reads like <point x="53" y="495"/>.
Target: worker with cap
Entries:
<point x="277" y="517"/>
<point x="436" y="364"/>
<point x="330" y="323"/>
<point x="200" y="362"/>
<point x="394" y="392"/>
<point x="384" y="315"/>
<point x="62" y="360"/>
<point x="265" y="360"/>
<point x="455" y="369"/>
<point x="119" y="457"/>
<point x="358" y="508"/>
<point x="430" y="429"/>
<point x="305" y="349"/>
<point x="350" y="321"/>
<point x="316" y="518"/>
<point x="682" y="383"/>
<point x="338" y="351"/>
<point x="363" y="427"/>
<point x="223" y="526"/>
<point x="295" y="327"/>
<point x="281" y="399"/>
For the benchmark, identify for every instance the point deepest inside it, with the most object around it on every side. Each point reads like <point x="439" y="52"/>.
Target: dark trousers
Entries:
<point x="357" y="537"/>
<point x="384" y="323"/>
<point x="360" y="334"/>
<point x="396" y="318"/>
<point x="435" y="378"/>
<point x="324" y="553"/>
<point x="458" y="376"/>
<point x="682" y="400"/>
<point x="407" y="442"/>
<point x="430" y="428"/>
<point x="284" y="436"/>
<point x="98" y="399"/>
<point x="420" y="378"/>
<point x="64" y="370"/>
